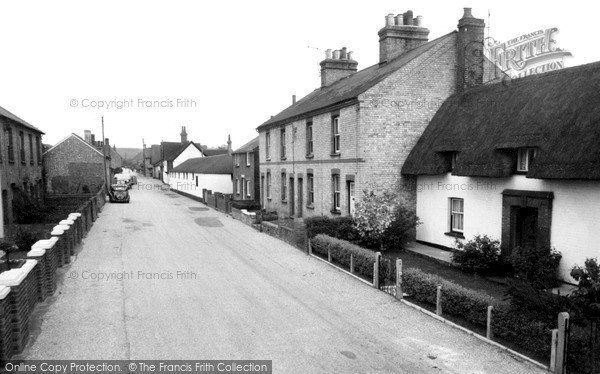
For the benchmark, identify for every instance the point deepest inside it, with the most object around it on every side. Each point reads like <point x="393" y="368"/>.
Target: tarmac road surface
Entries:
<point x="164" y="277"/>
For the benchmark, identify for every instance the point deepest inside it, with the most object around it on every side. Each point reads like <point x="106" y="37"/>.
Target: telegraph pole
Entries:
<point x="104" y="157"/>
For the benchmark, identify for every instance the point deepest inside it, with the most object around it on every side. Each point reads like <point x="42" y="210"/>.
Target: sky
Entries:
<point x="218" y="68"/>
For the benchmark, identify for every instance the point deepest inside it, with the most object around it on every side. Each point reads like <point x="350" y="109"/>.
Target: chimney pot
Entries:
<point x="408" y="18"/>
<point x="328" y="54"/>
<point x="399" y="19"/>
<point x="293" y="99"/>
<point x="106" y="141"/>
<point x="336" y="54"/>
<point x="350" y="55"/>
<point x="389" y="20"/>
<point x="343" y="55"/>
<point x="418" y="21"/>
<point x="467" y="13"/>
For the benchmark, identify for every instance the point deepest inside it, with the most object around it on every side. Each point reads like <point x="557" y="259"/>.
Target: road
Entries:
<point x="181" y="281"/>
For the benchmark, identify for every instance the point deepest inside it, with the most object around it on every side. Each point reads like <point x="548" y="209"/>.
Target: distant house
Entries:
<point x="246" y="174"/>
<point x="355" y="131"/>
<point x="212" y="173"/>
<point x="76" y="165"/>
<point x="519" y="162"/>
<point x="20" y="166"/>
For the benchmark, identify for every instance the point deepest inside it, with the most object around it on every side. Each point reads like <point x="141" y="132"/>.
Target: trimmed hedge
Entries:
<point x="341" y="251"/>
<point x="507" y="322"/>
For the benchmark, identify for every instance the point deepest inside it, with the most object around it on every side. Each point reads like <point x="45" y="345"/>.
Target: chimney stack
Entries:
<point x="337" y="66"/>
<point x="401" y="34"/>
<point x="470" y="51"/>
<point x="229" y="150"/>
<point x="183" y="135"/>
<point x="293" y="99"/>
<point x="93" y="140"/>
<point x="87" y="135"/>
<point x="106" y="142"/>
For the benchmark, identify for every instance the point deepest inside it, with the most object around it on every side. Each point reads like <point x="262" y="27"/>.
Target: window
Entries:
<point x="282" y="143"/>
<point x="283" y="187"/>
<point x="268" y="185"/>
<point x="22" y="146"/>
<point x="268" y="145"/>
<point x="38" y="147"/>
<point x="11" y="146"/>
<point x="248" y="188"/>
<point x="454" y="159"/>
<point x="309" y="138"/>
<point x="248" y="158"/>
<point x="30" y="149"/>
<point x="457" y="208"/>
<point x="310" y="190"/>
<point x="337" y="198"/>
<point x="525" y="158"/>
<point x="237" y="186"/>
<point x="335" y="134"/>
<point x="236" y="158"/>
<point x="196" y="181"/>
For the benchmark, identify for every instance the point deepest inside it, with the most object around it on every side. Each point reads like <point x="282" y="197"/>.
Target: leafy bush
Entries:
<point x="586" y="298"/>
<point x="480" y="255"/>
<point x="341" y="251"/>
<point x="374" y="214"/>
<point x="8" y="249"/>
<point x="542" y="304"/>
<point x="401" y="229"/>
<point x="24" y="239"/>
<point x="339" y="227"/>
<point x="508" y="322"/>
<point x="538" y="266"/>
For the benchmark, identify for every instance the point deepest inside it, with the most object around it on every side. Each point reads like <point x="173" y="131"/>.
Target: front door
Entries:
<point x="291" y="199"/>
<point x="525" y="227"/>
<point x="351" y="198"/>
<point x="300" y="197"/>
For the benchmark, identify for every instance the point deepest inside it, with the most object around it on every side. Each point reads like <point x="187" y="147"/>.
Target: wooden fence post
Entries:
<point x="552" y="366"/>
<point x="561" y="344"/>
<point x="376" y="270"/>
<point x="399" y="293"/>
<point x="351" y="263"/>
<point x="309" y="244"/>
<point x="489" y="333"/>
<point x="328" y="254"/>
<point x="438" y="304"/>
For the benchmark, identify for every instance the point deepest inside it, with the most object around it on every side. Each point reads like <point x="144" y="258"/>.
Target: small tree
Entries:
<point x="374" y="214"/>
<point x="586" y="298"/>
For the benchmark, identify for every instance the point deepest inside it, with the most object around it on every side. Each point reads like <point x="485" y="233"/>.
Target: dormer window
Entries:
<point x="525" y="157"/>
<point x="454" y="158"/>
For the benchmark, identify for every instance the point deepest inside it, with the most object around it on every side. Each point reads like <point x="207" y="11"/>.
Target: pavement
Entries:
<point x="165" y="277"/>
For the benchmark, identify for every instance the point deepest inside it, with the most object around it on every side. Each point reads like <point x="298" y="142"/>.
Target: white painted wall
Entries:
<point x="215" y="182"/>
<point x="189" y="152"/>
<point x="575" y="211"/>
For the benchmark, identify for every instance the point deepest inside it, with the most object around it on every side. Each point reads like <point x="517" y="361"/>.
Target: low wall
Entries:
<point x="241" y="216"/>
<point x="295" y="235"/>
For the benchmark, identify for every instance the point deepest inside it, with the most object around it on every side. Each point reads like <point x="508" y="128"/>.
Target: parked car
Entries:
<point x="119" y="192"/>
<point x="123" y="178"/>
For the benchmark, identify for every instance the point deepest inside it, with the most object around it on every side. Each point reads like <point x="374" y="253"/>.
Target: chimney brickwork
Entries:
<point x="401" y="34"/>
<point x="337" y="65"/>
<point x="183" y="135"/>
<point x="469" y="47"/>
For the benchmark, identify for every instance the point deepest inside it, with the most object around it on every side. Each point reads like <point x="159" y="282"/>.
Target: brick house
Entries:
<point x="246" y="174"/>
<point x="517" y="161"/>
<point x="355" y="131"/>
<point x="75" y="165"/>
<point x="20" y="166"/>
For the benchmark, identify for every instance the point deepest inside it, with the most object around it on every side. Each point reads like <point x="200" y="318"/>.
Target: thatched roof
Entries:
<point x="557" y="112"/>
<point x="220" y="164"/>
<point x="346" y="90"/>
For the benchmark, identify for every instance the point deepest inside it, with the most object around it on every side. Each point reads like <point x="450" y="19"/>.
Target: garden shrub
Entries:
<point x="339" y="227"/>
<point x="480" y="255"/>
<point x="508" y="322"/>
<point x="586" y="298"/>
<point x="341" y="250"/>
<point x="542" y="304"/>
<point x="401" y="230"/>
<point x="536" y="265"/>
<point x="24" y="239"/>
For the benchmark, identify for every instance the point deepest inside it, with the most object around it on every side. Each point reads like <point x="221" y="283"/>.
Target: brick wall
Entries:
<point x="73" y="167"/>
<point x="247" y="170"/>
<point x="6" y="332"/>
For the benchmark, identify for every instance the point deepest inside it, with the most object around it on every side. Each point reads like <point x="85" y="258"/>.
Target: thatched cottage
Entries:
<point x="519" y="161"/>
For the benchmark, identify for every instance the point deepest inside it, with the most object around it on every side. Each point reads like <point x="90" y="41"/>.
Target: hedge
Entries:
<point x="341" y="251"/>
<point x="507" y="322"/>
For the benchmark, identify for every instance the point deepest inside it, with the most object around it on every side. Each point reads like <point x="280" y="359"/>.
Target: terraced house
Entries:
<point x="355" y="131"/>
<point x="20" y="166"/>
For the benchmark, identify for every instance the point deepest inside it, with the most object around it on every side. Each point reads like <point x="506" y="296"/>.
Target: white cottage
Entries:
<point x="519" y="161"/>
<point x="211" y="173"/>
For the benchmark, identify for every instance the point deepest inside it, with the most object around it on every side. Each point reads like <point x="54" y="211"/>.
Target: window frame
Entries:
<point x="283" y="187"/>
<point x="269" y="181"/>
<point x="336" y="188"/>
<point x="236" y="159"/>
<point x="310" y="190"/>
<point x="453" y="214"/>
<point x="237" y="186"/>
<point x="11" y="145"/>
<point x="335" y="135"/>
<point x="22" y="147"/>
<point x="248" y="185"/>
<point x="309" y="139"/>
<point x="282" y="145"/>
<point x="31" y="157"/>
<point x="38" y="146"/>
<point x="526" y="154"/>
<point x="248" y="158"/>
